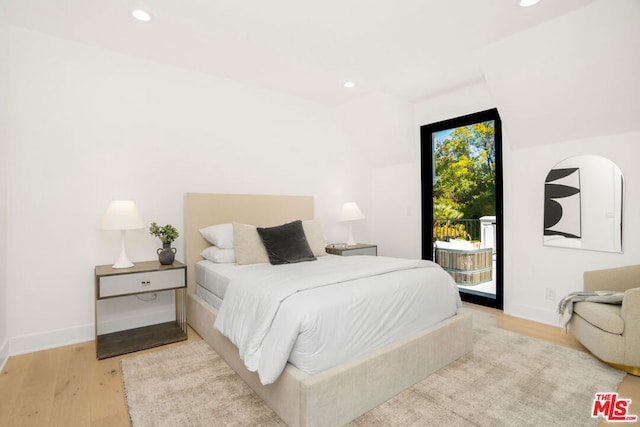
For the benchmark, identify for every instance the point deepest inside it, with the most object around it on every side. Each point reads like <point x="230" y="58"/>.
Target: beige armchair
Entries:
<point x="611" y="332"/>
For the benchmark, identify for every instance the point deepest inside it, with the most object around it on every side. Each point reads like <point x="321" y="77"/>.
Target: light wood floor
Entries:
<point x="69" y="387"/>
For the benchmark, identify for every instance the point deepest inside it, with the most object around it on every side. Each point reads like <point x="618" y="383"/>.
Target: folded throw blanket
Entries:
<point x="565" y="308"/>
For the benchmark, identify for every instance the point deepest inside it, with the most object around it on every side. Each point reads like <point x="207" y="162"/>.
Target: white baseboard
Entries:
<point x="4" y="354"/>
<point x="50" y="339"/>
<point x="59" y="338"/>
<point x="535" y="314"/>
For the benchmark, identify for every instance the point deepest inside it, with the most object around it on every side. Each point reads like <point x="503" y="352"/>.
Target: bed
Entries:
<point x="340" y="393"/>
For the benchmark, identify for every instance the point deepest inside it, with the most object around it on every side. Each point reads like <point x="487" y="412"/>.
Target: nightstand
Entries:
<point x="143" y="277"/>
<point x="348" y="250"/>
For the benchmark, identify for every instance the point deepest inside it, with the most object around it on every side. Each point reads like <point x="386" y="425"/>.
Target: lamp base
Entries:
<point x="123" y="260"/>
<point x="122" y="264"/>
<point x="350" y="240"/>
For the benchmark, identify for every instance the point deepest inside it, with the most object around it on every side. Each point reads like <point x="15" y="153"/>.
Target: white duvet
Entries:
<point x="319" y="314"/>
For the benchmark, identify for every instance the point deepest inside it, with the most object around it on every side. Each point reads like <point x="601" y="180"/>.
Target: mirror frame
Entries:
<point x="583" y="204"/>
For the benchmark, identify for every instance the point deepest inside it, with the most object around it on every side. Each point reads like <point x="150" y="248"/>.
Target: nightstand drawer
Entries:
<point x="133" y="283"/>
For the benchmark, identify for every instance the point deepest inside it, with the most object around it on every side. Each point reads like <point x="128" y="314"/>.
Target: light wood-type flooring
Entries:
<point x="69" y="387"/>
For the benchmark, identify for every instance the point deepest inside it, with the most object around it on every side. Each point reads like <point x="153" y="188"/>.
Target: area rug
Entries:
<point x="507" y="380"/>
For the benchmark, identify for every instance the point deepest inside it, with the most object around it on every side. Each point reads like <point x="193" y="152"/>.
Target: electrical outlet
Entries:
<point x="550" y="294"/>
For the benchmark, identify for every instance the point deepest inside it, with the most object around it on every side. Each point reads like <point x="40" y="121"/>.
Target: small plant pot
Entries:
<point x="166" y="254"/>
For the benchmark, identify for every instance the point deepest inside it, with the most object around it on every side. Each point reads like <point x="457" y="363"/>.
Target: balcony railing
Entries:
<point x="449" y="229"/>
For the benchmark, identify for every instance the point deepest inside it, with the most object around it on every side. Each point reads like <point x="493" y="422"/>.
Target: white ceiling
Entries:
<point x="406" y="48"/>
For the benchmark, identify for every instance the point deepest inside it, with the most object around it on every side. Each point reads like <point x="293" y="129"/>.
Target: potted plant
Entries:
<point x="167" y="235"/>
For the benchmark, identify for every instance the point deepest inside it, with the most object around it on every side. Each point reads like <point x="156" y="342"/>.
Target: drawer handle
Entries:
<point x="145" y="282"/>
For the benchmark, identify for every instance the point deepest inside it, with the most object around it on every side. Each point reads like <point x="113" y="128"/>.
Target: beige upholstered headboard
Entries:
<point x="203" y="209"/>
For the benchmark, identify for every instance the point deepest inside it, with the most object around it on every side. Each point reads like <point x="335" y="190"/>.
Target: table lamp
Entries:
<point x="122" y="215"/>
<point x="350" y="212"/>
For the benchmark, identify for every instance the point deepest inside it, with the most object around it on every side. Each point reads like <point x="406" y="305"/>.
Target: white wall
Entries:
<point x="396" y="186"/>
<point x="381" y="129"/>
<point x="535" y="267"/>
<point x="4" y="348"/>
<point x="88" y="125"/>
<point x="563" y="88"/>
<point x="396" y="222"/>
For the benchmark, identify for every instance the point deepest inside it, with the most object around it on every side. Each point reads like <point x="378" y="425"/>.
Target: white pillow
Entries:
<point x="249" y="248"/>
<point x="216" y="254"/>
<point x="220" y="235"/>
<point x="313" y="232"/>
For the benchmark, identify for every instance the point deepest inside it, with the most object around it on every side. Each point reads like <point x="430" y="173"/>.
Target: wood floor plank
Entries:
<point x="71" y="399"/>
<point x="33" y="405"/>
<point x="107" y="402"/>
<point x="11" y="382"/>
<point x="34" y="400"/>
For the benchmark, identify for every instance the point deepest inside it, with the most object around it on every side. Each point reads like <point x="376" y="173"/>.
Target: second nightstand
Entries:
<point x="348" y="250"/>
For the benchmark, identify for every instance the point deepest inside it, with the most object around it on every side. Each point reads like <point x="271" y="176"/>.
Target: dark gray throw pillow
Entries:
<point x="286" y="243"/>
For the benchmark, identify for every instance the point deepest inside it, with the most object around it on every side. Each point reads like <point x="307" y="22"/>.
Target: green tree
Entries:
<point x="465" y="165"/>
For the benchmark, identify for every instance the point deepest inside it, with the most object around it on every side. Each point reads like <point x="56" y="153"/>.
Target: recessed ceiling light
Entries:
<point x="527" y="3"/>
<point x="141" y="15"/>
<point x="349" y="85"/>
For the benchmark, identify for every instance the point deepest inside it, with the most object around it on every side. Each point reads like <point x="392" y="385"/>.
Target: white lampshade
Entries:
<point x="122" y="215"/>
<point x="350" y="212"/>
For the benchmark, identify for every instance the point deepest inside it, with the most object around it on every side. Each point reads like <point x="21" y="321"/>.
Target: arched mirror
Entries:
<point x="583" y="204"/>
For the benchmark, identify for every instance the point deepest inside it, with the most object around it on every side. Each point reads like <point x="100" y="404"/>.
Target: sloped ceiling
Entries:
<point x="572" y="77"/>
<point x="408" y="49"/>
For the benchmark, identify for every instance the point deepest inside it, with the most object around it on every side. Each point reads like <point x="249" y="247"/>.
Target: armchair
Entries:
<point x="611" y="332"/>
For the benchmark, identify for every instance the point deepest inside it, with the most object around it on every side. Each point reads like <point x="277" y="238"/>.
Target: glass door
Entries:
<point x="462" y="203"/>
